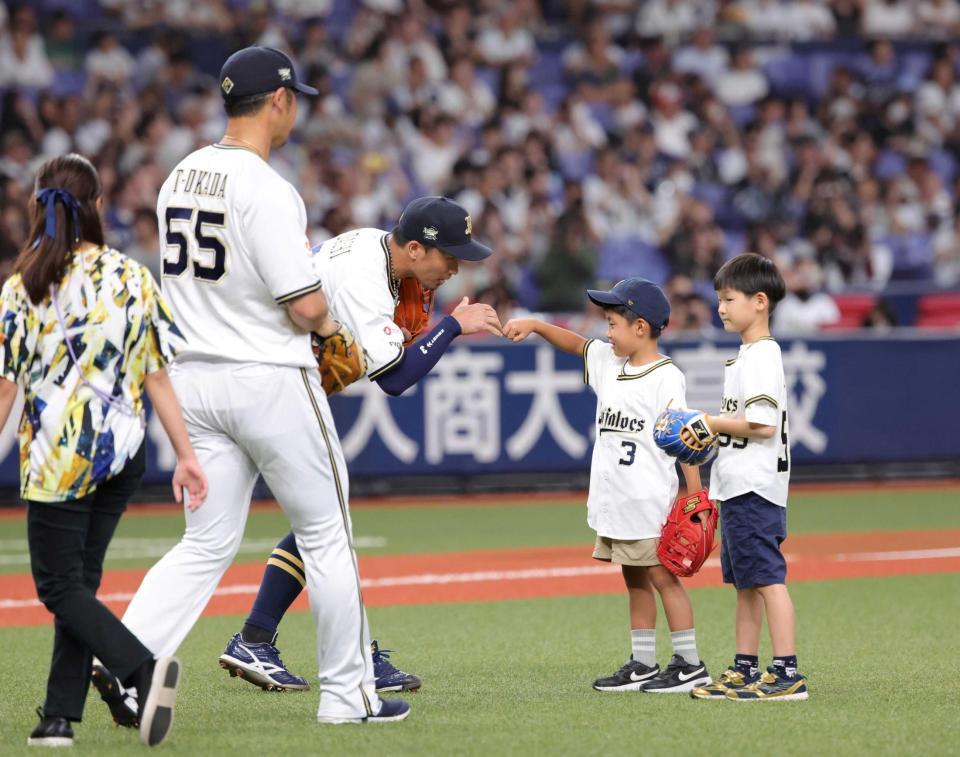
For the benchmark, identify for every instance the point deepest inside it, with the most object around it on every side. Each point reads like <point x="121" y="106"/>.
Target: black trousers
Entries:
<point x="67" y="542"/>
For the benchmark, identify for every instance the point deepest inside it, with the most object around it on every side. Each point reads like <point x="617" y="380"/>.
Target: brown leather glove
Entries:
<point x="340" y="358"/>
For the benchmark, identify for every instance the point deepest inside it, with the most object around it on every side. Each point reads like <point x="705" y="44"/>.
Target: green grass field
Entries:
<point x="514" y="677"/>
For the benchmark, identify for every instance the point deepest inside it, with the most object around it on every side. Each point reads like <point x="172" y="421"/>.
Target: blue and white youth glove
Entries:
<point x="685" y="435"/>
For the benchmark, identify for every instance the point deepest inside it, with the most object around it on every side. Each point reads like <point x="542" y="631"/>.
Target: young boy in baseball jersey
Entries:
<point x="749" y="482"/>
<point x="632" y="482"/>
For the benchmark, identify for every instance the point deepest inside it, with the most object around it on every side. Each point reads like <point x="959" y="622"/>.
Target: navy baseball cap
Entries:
<point x="441" y="222"/>
<point x="258" y="70"/>
<point x="643" y="297"/>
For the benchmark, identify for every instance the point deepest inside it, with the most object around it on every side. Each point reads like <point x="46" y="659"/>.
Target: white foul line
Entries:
<point x="907" y="554"/>
<point x="423" y="579"/>
<point x="15" y="552"/>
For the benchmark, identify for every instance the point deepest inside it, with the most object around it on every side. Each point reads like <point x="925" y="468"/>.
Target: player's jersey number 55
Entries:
<point x="208" y="253"/>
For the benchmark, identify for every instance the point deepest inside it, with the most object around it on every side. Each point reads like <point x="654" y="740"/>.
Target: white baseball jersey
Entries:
<point x="754" y="388"/>
<point x="633" y="483"/>
<point x="233" y="231"/>
<point x="354" y="269"/>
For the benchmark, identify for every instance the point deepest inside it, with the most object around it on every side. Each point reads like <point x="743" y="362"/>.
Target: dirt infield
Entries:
<point x="18" y="512"/>
<point x="491" y="575"/>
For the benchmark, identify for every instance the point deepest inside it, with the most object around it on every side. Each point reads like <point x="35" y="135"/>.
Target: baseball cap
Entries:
<point x="441" y="222"/>
<point x="257" y="70"/>
<point x="643" y="297"/>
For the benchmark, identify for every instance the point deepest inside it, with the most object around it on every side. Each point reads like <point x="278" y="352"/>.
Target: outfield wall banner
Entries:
<point x="489" y="407"/>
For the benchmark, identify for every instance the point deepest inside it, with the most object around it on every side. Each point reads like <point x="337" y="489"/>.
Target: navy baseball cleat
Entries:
<point x="391" y="711"/>
<point x="388" y="677"/>
<point x="260" y="664"/>
<point x="679" y="676"/>
<point x="122" y="702"/>
<point x="630" y="677"/>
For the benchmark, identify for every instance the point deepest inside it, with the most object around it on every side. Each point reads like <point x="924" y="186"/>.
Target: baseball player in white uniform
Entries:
<point x="361" y="271"/>
<point x="239" y="276"/>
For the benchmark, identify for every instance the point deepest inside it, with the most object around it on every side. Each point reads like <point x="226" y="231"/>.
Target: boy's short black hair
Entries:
<point x="627" y="313"/>
<point x="751" y="273"/>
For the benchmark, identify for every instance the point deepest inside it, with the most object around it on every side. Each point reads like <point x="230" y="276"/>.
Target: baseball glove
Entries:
<point x="414" y="309"/>
<point x="685" y="435"/>
<point x="687" y="537"/>
<point x="340" y="358"/>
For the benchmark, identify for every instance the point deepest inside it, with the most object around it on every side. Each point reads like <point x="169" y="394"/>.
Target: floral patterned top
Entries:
<point x="83" y="415"/>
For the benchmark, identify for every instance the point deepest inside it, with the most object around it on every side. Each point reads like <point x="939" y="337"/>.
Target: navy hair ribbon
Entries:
<point x="48" y="197"/>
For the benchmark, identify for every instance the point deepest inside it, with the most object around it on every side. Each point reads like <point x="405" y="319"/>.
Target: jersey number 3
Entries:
<point x="630" y="451"/>
<point x="209" y="262"/>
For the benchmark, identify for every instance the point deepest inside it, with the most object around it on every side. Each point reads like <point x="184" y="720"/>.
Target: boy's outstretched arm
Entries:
<point x="519" y="329"/>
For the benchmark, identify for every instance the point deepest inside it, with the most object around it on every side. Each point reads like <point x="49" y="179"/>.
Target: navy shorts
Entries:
<point x="751" y="531"/>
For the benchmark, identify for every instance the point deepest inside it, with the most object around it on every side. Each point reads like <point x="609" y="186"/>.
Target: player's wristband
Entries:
<point x="419" y="358"/>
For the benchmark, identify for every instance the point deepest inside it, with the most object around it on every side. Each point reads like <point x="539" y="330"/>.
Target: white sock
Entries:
<point x="644" y="644"/>
<point x="685" y="645"/>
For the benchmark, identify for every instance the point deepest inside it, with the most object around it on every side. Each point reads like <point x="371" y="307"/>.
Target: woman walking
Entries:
<point x="84" y="331"/>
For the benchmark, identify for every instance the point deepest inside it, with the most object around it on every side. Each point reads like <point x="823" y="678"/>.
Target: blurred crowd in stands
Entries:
<point x="589" y="139"/>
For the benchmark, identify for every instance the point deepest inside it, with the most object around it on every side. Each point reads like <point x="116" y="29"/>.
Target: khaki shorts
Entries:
<point x="641" y="552"/>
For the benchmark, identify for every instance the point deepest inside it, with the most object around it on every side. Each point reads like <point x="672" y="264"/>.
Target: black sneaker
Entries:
<point x="51" y="732"/>
<point x="122" y="702"/>
<point x="680" y="676"/>
<point x="630" y="677"/>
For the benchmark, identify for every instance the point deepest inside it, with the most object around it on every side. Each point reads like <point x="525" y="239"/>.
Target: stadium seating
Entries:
<point x="939" y="310"/>
<point x="622" y="256"/>
<point x="788" y="76"/>
<point x="912" y="255"/>
<point x="853" y="309"/>
<point x="796" y="68"/>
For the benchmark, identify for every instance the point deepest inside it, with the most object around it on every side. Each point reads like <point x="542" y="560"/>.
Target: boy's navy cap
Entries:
<point x="440" y="222"/>
<point x="643" y="297"/>
<point x="258" y="70"/>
